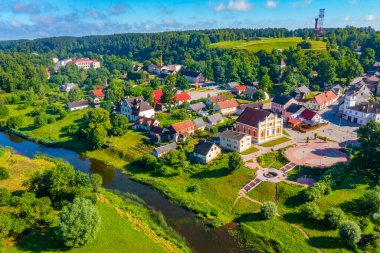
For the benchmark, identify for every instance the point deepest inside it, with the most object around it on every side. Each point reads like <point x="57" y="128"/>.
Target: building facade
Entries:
<point x="235" y="141"/>
<point x="135" y="107"/>
<point x="206" y="151"/>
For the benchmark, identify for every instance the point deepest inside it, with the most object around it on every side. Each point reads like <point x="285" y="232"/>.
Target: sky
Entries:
<point x="29" y="19"/>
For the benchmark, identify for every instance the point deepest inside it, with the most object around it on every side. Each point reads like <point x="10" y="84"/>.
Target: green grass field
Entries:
<point x="275" y="142"/>
<point x="267" y="44"/>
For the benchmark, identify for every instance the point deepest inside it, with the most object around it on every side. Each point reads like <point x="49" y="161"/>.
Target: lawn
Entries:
<point x="275" y="159"/>
<point x="116" y="234"/>
<point x="275" y="142"/>
<point x="217" y="189"/>
<point x="251" y="150"/>
<point x="267" y="44"/>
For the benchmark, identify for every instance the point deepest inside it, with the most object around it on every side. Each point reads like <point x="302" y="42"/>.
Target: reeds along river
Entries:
<point x="198" y="236"/>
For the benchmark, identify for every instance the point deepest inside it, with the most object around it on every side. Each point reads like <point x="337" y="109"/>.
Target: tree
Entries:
<point x="168" y="94"/>
<point x="334" y="216"/>
<point x="182" y="83"/>
<point x="40" y="120"/>
<point x="4" y="173"/>
<point x="266" y="83"/>
<point x="326" y="69"/>
<point x="370" y="202"/>
<point x="350" y="232"/>
<point x="98" y="123"/>
<point x="259" y="95"/>
<point x="78" y="223"/>
<point x="119" y="125"/>
<point x="310" y="211"/>
<point x="96" y="182"/>
<point x="235" y="161"/>
<point x="4" y="111"/>
<point x="352" y="69"/>
<point x="369" y="152"/>
<point x="5" y="196"/>
<point x="268" y="210"/>
<point x="74" y="94"/>
<point x="15" y="122"/>
<point x="107" y="105"/>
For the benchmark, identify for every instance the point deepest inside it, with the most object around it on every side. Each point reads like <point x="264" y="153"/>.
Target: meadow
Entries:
<point x="268" y="44"/>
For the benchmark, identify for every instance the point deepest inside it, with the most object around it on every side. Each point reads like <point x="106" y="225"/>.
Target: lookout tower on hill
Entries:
<point x="318" y="26"/>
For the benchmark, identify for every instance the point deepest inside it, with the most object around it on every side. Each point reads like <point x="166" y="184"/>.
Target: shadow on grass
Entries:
<point x="296" y="218"/>
<point x="326" y="242"/>
<point x="41" y="241"/>
<point x="249" y="217"/>
<point x="212" y="173"/>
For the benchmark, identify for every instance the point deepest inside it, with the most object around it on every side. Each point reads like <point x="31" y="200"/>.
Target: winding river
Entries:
<point x="198" y="236"/>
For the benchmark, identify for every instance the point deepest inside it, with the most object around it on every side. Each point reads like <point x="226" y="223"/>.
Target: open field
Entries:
<point x="267" y="44"/>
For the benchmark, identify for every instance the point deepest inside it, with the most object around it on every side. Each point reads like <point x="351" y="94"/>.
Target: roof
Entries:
<point x="215" y="118"/>
<point x="137" y="104"/>
<point x="232" y="135"/>
<point x="218" y="98"/>
<point x="232" y="84"/>
<point x="180" y="126"/>
<point x="308" y="114"/>
<point x="98" y="93"/>
<point x="227" y="104"/>
<point x="198" y="122"/>
<point x="293" y="108"/>
<point x="325" y="97"/>
<point x="303" y="89"/>
<point x="77" y="103"/>
<point x="197" y="107"/>
<point x="252" y="117"/>
<point x="281" y="99"/>
<point x="250" y="91"/>
<point x="84" y="60"/>
<point x="166" y="148"/>
<point x="241" y="87"/>
<point x="367" y="108"/>
<point x="182" y="96"/>
<point x="294" y="121"/>
<point x="157" y="95"/>
<point x="190" y="73"/>
<point x="257" y="105"/>
<point x="145" y="121"/>
<point x="282" y="61"/>
<point x="203" y="147"/>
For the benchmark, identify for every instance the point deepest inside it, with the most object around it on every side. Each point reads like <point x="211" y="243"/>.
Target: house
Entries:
<point x="227" y="107"/>
<point x="77" y="105"/>
<point x="313" y="73"/>
<point x="215" y="119"/>
<point x="135" y="107"/>
<point x="97" y="96"/>
<point x="182" y="97"/>
<point x="240" y="109"/>
<point x="199" y="108"/>
<point x="281" y="102"/>
<point x="206" y="151"/>
<point x="183" y="129"/>
<point x="66" y="87"/>
<point x="179" y="98"/>
<point x="262" y="125"/>
<point x="155" y="69"/>
<point x="239" y="90"/>
<point x="231" y="85"/>
<point x="293" y="111"/>
<point x="173" y="68"/>
<point x="338" y="90"/>
<point x="193" y="76"/>
<point x="159" y="134"/>
<point x="235" y="141"/>
<point x="311" y="117"/>
<point x="363" y="113"/>
<point x="300" y="92"/>
<point x="86" y="63"/>
<point x="321" y="101"/>
<point x="144" y="123"/>
<point x="199" y="124"/>
<point x="163" y="150"/>
<point x="215" y="99"/>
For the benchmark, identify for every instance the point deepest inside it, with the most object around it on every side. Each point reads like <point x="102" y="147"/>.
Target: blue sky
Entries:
<point x="27" y="19"/>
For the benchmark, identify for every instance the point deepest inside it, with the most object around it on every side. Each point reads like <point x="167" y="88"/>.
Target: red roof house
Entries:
<point x="181" y="97"/>
<point x="310" y="115"/>
<point x="238" y="90"/>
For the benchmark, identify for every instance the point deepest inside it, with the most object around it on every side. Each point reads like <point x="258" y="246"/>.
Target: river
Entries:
<point x="198" y="236"/>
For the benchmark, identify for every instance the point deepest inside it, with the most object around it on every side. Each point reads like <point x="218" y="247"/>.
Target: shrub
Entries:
<point x="350" y="232"/>
<point x="268" y="210"/>
<point x="370" y="201"/>
<point x="235" y="161"/>
<point x="51" y="119"/>
<point x="334" y="216"/>
<point x="193" y="188"/>
<point x="316" y="191"/>
<point x="40" y="120"/>
<point x="15" y="122"/>
<point x="96" y="182"/>
<point x="310" y="210"/>
<point x="5" y="196"/>
<point x="78" y="223"/>
<point x="4" y="173"/>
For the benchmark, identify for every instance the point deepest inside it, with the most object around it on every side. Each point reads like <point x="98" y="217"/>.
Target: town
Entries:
<point x="219" y="140"/>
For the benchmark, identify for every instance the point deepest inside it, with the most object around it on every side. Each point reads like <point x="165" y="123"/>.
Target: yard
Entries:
<point x="275" y="142"/>
<point x="268" y="44"/>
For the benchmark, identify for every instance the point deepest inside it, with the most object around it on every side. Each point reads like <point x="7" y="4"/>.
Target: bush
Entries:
<point x="268" y="210"/>
<point x="40" y="120"/>
<point x="51" y="119"/>
<point x="350" y="232"/>
<point x="96" y="182"/>
<point x="310" y="211"/>
<point x="334" y="216"/>
<point x="15" y="122"/>
<point x="4" y="173"/>
<point x="5" y="197"/>
<point x="370" y="202"/>
<point x="235" y="161"/>
<point x="193" y="188"/>
<point x="78" y="223"/>
<point x="316" y="191"/>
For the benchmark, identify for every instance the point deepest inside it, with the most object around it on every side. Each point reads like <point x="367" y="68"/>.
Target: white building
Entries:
<point x="360" y="113"/>
<point x="83" y="63"/>
<point x="235" y="141"/>
<point x="66" y="87"/>
<point x="206" y="151"/>
<point x="136" y="107"/>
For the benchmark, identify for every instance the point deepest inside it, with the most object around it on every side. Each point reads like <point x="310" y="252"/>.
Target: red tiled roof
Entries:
<point x="252" y="117"/>
<point x="84" y="60"/>
<point x="227" y="104"/>
<point x="98" y="93"/>
<point x="157" y="95"/>
<point x="325" y="97"/>
<point x="241" y="88"/>
<point x="181" y="126"/>
<point x="294" y="121"/>
<point x="308" y="114"/>
<point x="182" y="96"/>
<point x="217" y="98"/>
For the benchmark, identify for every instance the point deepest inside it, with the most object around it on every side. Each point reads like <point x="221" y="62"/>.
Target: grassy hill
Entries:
<point x="268" y="44"/>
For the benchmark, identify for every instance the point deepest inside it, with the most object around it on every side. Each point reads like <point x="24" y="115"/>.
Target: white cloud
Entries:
<point x="271" y="4"/>
<point x="347" y="19"/>
<point x="301" y="3"/>
<point x="370" y="18"/>
<point x="233" y="5"/>
<point x="16" y="24"/>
